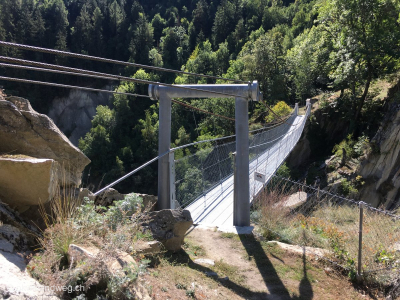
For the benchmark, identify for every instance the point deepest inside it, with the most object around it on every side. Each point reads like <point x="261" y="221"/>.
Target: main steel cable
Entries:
<point x="69" y="86"/>
<point x="105" y="77"/>
<point x="116" y="77"/>
<point x="107" y="60"/>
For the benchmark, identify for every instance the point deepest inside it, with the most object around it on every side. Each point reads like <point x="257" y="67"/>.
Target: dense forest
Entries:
<point x="295" y="49"/>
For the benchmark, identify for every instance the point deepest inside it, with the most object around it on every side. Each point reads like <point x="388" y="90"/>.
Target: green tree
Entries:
<point x="56" y="17"/>
<point x="142" y="41"/>
<point x="97" y="38"/>
<point x="158" y="24"/>
<point x="82" y="31"/>
<point x="308" y="61"/>
<point x="366" y="37"/>
<point x="225" y="20"/>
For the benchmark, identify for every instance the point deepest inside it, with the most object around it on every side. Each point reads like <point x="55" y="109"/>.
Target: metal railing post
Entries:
<point x="172" y="187"/>
<point x="360" y="235"/>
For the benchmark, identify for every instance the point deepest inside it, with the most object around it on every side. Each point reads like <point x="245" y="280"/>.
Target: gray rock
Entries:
<point x="293" y="200"/>
<point x="211" y="274"/>
<point x="151" y="247"/>
<point x="149" y="201"/>
<point x="15" y="282"/>
<point x="77" y="253"/>
<point x="169" y="227"/>
<point x="28" y="181"/>
<point x="24" y="131"/>
<point x="108" y="197"/>
<point x="204" y="261"/>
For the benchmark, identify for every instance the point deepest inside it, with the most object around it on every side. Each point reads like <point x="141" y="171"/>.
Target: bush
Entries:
<point x="280" y="109"/>
<point x="347" y="188"/>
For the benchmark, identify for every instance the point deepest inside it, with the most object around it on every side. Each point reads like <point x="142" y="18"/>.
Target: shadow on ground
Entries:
<point x="276" y="287"/>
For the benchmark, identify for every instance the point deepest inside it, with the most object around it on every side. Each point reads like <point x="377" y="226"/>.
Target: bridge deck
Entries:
<point x="215" y="208"/>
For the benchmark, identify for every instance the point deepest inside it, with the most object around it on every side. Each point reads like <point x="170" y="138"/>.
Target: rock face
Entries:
<point x="169" y="227"/>
<point x="24" y="131"/>
<point x="73" y="114"/>
<point x="15" y="230"/>
<point x="381" y="168"/>
<point x="27" y="181"/>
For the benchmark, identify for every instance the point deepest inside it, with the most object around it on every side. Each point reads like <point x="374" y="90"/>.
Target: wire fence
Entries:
<point x="361" y="239"/>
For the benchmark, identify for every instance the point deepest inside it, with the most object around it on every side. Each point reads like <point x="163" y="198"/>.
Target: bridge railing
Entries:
<point x="204" y="166"/>
<point x="199" y="168"/>
<point x="269" y="150"/>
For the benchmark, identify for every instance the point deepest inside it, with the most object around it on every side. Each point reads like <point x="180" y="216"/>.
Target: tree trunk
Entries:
<point x="363" y="97"/>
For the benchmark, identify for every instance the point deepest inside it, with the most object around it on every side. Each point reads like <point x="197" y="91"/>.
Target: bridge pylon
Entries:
<point x="243" y="93"/>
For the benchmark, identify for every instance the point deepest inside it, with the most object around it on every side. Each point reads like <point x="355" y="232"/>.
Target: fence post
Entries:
<point x="172" y="187"/>
<point x="360" y="234"/>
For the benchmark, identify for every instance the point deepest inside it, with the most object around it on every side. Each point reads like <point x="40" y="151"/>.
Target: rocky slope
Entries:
<point x="381" y="167"/>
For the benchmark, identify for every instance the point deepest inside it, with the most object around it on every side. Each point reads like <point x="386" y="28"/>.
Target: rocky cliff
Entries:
<point x="381" y="167"/>
<point x="73" y="114"/>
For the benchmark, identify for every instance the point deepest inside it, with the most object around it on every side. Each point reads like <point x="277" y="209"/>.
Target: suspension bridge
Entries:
<point x="216" y="180"/>
<point x="268" y="150"/>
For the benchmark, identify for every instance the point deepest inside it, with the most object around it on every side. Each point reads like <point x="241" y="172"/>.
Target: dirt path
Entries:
<point x="273" y="273"/>
<point x="245" y="268"/>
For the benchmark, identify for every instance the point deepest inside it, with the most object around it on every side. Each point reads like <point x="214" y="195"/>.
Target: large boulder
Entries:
<point x="27" y="181"/>
<point x="24" y="131"/>
<point x="169" y="226"/>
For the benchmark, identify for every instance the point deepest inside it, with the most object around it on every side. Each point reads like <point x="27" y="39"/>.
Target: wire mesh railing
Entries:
<point x="206" y="168"/>
<point x="362" y="239"/>
<point x="269" y="149"/>
<point x="201" y="167"/>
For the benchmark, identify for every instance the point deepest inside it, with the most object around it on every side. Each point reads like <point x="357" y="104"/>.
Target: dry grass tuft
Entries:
<point x="111" y="230"/>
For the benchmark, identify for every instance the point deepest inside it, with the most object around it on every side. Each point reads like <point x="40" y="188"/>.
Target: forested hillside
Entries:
<point x="295" y="49"/>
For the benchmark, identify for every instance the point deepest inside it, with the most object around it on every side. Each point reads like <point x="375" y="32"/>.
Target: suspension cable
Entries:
<point x="70" y="86"/>
<point x="107" y="60"/>
<point x="99" y="74"/>
<point x="95" y="90"/>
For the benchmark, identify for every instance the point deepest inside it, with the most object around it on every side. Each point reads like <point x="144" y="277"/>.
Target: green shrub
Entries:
<point x="347" y="188"/>
<point x="280" y="109"/>
<point x="347" y="144"/>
